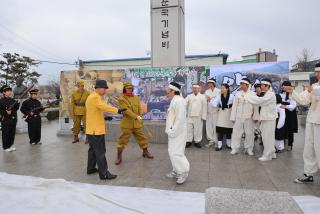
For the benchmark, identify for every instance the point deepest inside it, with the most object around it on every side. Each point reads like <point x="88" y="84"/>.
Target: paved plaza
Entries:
<point x="58" y="158"/>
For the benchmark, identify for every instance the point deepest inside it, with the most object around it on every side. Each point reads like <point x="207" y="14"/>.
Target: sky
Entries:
<point x="64" y="31"/>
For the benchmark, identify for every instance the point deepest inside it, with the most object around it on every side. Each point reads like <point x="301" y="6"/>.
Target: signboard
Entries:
<point x="167" y="33"/>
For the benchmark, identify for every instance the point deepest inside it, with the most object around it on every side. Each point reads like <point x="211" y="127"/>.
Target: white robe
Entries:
<point x="311" y="153"/>
<point x="267" y="116"/>
<point x="242" y="113"/>
<point x="176" y="128"/>
<point x="197" y="112"/>
<point x="212" y="115"/>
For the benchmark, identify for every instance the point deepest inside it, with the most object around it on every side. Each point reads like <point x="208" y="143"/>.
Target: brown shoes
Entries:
<point x="146" y="154"/>
<point x="119" y="158"/>
<point x="75" y="139"/>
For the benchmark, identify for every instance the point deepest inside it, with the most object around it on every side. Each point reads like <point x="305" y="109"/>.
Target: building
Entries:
<point x="260" y="56"/>
<point x="112" y="64"/>
<point x="305" y="66"/>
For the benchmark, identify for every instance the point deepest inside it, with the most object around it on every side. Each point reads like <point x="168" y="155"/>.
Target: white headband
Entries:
<point x="173" y="88"/>
<point x="265" y="83"/>
<point x="317" y="69"/>
<point x="245" y="81"/>
<point x="195" y="86"/>
<point x="212" y="81"/>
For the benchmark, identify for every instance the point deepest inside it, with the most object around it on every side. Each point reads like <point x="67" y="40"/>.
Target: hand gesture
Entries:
<point x="139" y="118"/>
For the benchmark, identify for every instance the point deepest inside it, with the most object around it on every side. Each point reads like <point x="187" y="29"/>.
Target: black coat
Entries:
<point x="5" y="104"/>
<point x="32" y="105"/>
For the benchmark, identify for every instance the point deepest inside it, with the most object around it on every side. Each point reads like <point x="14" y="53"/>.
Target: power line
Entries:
<point x="29" y="42"/>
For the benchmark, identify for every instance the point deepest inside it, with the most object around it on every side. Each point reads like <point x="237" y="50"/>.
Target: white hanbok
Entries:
<point x="176" y="128"/>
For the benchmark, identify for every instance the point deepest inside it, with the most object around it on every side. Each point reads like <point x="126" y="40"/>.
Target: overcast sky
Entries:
<point x="62" y="30"/>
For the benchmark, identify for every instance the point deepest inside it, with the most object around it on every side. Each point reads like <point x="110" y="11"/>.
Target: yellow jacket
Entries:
<point x="95" y="107"/>
<point x="132" y="104"/>
<point x="78" y="101"/>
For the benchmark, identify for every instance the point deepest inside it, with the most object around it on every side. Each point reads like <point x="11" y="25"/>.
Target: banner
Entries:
<point x="232" y="74"/>
<point x="151" y="84"/>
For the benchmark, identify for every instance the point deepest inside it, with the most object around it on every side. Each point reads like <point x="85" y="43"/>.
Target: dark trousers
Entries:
<point x="290" y="137"/>
<point x="34" y="130"/>
<point x="96" y="154"/>
<point x="8" y="133"/>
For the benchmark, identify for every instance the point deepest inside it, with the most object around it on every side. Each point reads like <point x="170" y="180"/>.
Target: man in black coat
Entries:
<point x="8" y="113"/>
<point x="31" y="108"/>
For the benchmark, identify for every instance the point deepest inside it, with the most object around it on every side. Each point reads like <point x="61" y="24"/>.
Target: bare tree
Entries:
<point x="303" y="60"/>
<point x="54" y="87"/>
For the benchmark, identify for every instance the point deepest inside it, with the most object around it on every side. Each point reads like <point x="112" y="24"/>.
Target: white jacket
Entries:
<point x="305" y="98"/>
<point x="176" y="122"/>
<point x="242" y="108"/>
<point x="223" y="115"/>
<point x="212" y="94"/>
<point x="267" y="103"/>
<point x="197" y="106"/>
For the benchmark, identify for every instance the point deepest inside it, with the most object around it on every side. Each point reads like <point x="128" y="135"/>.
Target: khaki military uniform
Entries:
<point x="130" y="124"/>
<point x="78" y="109"/>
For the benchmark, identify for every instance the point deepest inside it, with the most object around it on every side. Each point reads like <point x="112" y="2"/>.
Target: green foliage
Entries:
<point x="14" y="66"/>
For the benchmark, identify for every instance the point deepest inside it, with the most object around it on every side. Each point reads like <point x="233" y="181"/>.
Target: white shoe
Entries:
<point x="7" y="150"/>
<point x="13" y="149"/>
<point x="33" y="143"/>
<point x="274" y="156"/>
<point x="210" y="144"/>
<point x="172" y="174"/>
<point x="250" y="153"/>
<point x="234" y="152"/>
<point x="263" y="158"/>
<point x="182" y="178"/>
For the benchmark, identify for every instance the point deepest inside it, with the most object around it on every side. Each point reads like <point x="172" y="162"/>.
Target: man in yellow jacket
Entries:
<point x="131" y="123"/>
<point x="78" y="109"/>
<point x="96" y="130"/>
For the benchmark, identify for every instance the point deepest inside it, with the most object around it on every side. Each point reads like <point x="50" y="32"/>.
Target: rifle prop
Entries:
<point x="27" y="116"/>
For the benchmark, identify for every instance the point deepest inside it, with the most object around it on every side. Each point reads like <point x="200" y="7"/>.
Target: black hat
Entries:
<point x="257" y="85"/>
<point x="34" y="91"/>
<point x="212" y="80"/>
<point x="101" y="84"/>
<point x="5" y="88"/>
<point x="175" y="86"/>
<point x="286" y="83"/>
<point x="266" y="81"/>
<point x="245" y="80"/>
<point x="317" y="67"/>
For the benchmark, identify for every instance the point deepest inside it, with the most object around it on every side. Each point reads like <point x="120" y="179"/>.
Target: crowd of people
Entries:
<point x="229" y="117"/>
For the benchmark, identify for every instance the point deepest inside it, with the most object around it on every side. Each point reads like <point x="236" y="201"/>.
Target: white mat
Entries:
<point x="24" y="194"/>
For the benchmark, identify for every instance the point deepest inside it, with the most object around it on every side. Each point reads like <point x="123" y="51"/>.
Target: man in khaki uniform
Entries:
<point x="78" y="109"/>
<point x="131" y="123"/>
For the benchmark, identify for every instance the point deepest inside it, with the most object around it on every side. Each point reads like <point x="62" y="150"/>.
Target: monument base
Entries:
<point x="223" y="200"/>
<point x="22" y="126"/>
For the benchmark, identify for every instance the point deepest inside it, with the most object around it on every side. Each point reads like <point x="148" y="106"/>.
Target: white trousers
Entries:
<point x="243" y="126"/>
<point x="311" y="153"/>
<point x="267" y="128"/>
<point x="195" y="128"/>
<point x="176" y="149"/>
<point x="211" y="122"/>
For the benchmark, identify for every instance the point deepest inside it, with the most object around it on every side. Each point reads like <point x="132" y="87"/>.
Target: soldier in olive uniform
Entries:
<point x="8" y="112"/>
<point x="78" y="109"/>
<point x="31" y="108"/>
<point x="131" y="123"/>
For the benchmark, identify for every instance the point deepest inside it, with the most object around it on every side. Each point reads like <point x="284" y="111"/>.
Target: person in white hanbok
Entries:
<point x="267" y="115"/>
<point x="241" y="114"/>
<point x="197" y="113"/>
<point x="176" y="129"/>
<point x="311" y="153"/>
<point x="224" y="125"/>
<point x="212" y="112"/>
